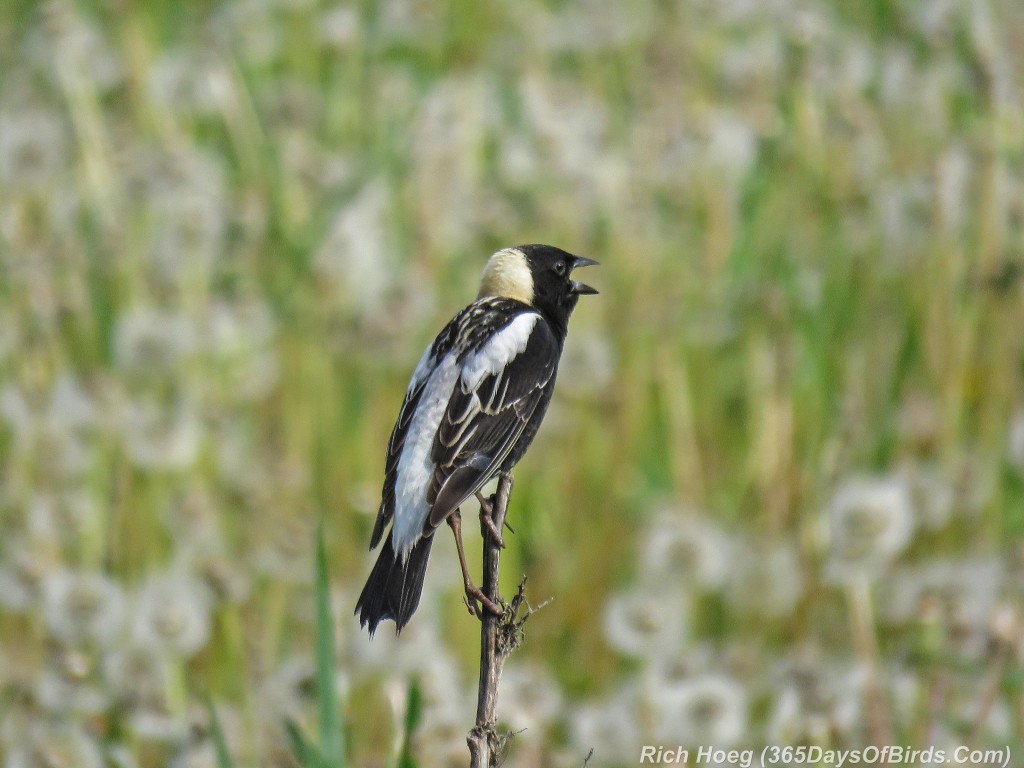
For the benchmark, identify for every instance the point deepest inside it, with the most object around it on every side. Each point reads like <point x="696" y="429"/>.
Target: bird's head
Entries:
<point x="538" y="275"/>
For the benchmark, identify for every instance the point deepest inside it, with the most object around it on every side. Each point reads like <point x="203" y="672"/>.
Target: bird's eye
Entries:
<point x="560" y="268"/>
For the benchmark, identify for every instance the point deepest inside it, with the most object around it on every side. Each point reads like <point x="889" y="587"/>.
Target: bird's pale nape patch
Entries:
<point x="507" y="274"/>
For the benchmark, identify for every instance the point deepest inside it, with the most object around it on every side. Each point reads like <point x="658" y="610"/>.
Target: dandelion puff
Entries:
<point x="83" y="607"/>
<point x="288" y="692"/>
<point x="354" y="258"/>
<point x="642" y="622"/>
<point x="284" y="551"/>
<point x="49" y="743"/>
<point x="70" y="683"/>
<point x="766" y="579"/>
<point x="731" y="146"/>
<point x="148" y="340"/>
<point x="441" y="736"/>
<point x="251" y="28"/>
<point x="180" y="82"/>
<point x="163" y="437"/>
<point x="530" y="699"/>
<point x="339" y="27"/>
<point x="135" y="675"/>
<point x="25" y="566"/>
<point x="239" y="339"/>
<point x="590" y="25"/>
<point x="78" y="46"/>
<point x="609" y="727"/>
<point x="785" y="724"/>
<point x="967" y="589"/>
<point x="869" y="522"/>
<point x="71" y="407"/>
<point x="570" y="123"/>
<point x="172" y="615"/>
<point x="679" y="548"/>
<point x="33" y="149"/>
<point x="932" y="495"/>
<point x="427" y="657"/>
<point x="706" y="708"/>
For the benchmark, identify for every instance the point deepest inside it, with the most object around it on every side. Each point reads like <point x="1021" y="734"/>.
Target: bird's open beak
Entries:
<point x="582" y="289"/>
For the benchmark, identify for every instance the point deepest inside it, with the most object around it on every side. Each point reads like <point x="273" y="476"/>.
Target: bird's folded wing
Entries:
<point x="486" y="416"/>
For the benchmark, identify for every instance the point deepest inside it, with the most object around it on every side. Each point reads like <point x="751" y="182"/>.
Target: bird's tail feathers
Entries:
<point x="394" y="587"/>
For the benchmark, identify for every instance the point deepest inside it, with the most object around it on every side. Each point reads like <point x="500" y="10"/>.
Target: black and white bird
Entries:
<point x="475" y="402"/>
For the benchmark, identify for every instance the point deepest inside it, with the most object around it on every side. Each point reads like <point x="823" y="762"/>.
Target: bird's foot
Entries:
<point x="487" y="519"/>
<point x="474" y="595"/>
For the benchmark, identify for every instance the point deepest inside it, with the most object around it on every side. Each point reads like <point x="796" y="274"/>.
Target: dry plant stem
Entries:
<point x="866" y="647"/>
<point x="485" y="744"/>
<point x="989" y="695"/>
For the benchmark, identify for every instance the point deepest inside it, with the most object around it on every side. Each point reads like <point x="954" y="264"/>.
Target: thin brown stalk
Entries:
<point x="499" y="636"/>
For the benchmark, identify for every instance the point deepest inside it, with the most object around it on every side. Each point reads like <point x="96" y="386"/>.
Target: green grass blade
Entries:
<point x="305" y="753"/>
<point x="331" y="741"/>
<point x="413" y="712"/>
<point x="220" y="746"/>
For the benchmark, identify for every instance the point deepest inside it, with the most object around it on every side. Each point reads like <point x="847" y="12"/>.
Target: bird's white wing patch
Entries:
<point x="499" y="351"/>
<point x="415" y="468"/>
<point x="423" y="367"/>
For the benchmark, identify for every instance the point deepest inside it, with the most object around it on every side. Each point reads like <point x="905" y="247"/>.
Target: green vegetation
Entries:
<point x="778" y="497"/>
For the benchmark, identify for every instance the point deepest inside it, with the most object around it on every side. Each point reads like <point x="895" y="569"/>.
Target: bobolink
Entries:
<point x="475" y="402"/>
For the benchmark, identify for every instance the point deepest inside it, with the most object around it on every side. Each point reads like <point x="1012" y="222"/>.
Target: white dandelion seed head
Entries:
<point x="182" y="82"/>
<point x="785" y="724"/>
<point x="710" y="707"/>
<point x="159" y="723"/>
<point x="69" y="683"/>
<point x="239" y="339"/>
<point x="869" y="522"/>
<point x="682" y="549"/>
<point x="530" y="699"/>
<point x="965" y="590"/>
<point x="287" y="692"/>
<point x="609" y="727"/>
<point x="28" y="560"/>
<point x="932" y="494"/>
<point x="251" y="28"/>
<point x="731" y="145"/>
<point x="590" y="25"/>
<point x="354" y="258"/>
<point x="645" y="623"/>
<point x="16" y="410"/>
<point x="518" y="157"/>
<point x="83" y="607"/>
<point x="33" y="148"/>
<point x="172" y="615"/>
<point x="80" y="47"/>
<point x="71" y="406"/>
<point x="339" y="27"/>
<point x="188" y="236"/>
<point x="571" y="124"/>
<point x="162" y="437"/>
<point x="285" y="549"/>
<point x="136" y="675"/>
<point x="148" y="340"/>
<point x="49" y="743"/>
<point x="766" y="578"/>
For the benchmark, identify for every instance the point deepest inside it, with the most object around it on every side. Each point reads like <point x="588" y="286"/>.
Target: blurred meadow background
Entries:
<point x="779" y="497"/>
